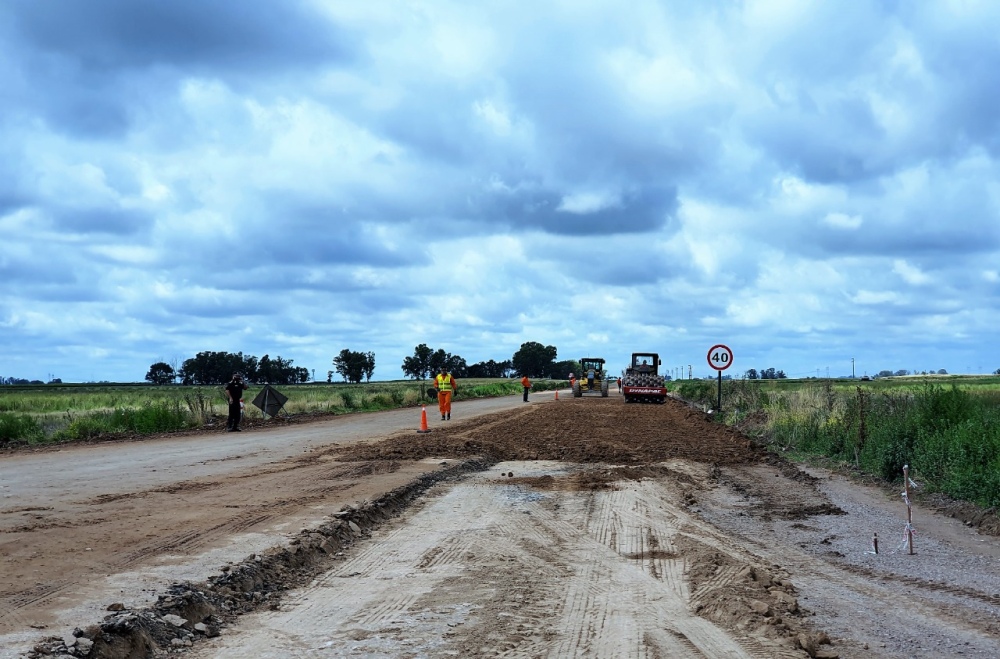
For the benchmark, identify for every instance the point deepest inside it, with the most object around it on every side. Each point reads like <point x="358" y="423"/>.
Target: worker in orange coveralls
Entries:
<point x="445" y="383"/>
<point x="526" y="383"/>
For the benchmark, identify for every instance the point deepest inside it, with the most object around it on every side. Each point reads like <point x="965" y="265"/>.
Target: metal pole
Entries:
<point x="264" y="416"/>
<point x="719" y="406"/>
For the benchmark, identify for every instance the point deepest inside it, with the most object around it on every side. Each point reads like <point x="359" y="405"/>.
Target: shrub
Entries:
<point x="950" y="437"/>
<point x="350" y="399"/>
<point x="702" y="392"/>
<point x="152" y="418"/>
<point x="19" y="428"/>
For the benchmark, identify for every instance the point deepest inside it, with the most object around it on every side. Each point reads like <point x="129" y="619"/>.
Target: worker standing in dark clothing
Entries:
<point x="234" y="394"/>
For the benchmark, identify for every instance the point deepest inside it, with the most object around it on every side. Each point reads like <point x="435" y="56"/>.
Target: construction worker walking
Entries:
<point x="445" y="384"/>
<point x="526" y="383"/>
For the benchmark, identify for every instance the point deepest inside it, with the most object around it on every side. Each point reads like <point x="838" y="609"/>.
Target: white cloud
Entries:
<point x="842" y="221"/>
<point x="910" y="274"/>
<point x="584" y="203"/>
<point x="876" y="297"/>
<point x="657" y="176"/>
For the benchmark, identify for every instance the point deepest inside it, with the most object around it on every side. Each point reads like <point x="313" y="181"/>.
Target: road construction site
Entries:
<point x="558" y="528"/>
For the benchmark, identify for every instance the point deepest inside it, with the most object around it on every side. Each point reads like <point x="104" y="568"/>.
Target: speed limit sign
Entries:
<point x="720" y="357"/>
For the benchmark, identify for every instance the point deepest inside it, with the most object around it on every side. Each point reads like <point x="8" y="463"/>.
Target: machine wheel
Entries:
<point x="577" y="393"/>
<point x="604" y="389"/>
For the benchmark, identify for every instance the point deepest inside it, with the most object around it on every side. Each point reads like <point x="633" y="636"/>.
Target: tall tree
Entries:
<point x="533" y="359"/>
<point x="216" y="367"/>
<point x="489" y="369"/>
<point x="350" y="365"/>
<point x="560" y="370"/>
<point x="369" y="367"/>
<point x="160" y="373"/>
<point x="418" y="365"/>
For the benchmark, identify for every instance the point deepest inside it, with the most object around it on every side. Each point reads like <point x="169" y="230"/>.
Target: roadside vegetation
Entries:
<point x="947" y="429"/>
<point x="38" y="414"/>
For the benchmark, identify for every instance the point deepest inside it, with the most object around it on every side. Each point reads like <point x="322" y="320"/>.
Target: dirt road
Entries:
<point x="559" y="528"/>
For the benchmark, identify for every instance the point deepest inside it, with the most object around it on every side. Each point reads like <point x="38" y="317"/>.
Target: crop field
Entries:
<point x="44" y="413"/>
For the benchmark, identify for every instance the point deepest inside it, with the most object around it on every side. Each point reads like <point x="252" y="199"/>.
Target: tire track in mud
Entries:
<point x="643" y="580"/>
<point x="256" y="515"/>
<point x="490" y="568"/>
<point x="188" y="538"/>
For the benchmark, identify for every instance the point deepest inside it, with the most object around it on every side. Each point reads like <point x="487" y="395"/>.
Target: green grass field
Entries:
<point x="52" y="413"/>
<point x="946" y="428"/>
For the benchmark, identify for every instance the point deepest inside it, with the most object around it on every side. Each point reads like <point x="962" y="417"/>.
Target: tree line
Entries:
<point x="217" y="367"/>
<point x="765" y="374"/>
<point x="903" y="371"/>
<point x="532" y="359"/>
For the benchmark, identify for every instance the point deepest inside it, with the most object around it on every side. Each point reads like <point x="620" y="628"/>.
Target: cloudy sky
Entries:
<point x="806" y="182"/>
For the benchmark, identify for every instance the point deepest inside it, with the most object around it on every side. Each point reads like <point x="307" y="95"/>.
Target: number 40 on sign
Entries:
<point x="720" y="357"/>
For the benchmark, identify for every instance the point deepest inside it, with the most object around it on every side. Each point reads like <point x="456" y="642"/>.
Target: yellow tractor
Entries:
<point x="592" y="379"/>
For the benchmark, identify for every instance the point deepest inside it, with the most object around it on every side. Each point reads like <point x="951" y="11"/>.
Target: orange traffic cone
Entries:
<point x="557" y="394"/>
<point x="423" y="419"/>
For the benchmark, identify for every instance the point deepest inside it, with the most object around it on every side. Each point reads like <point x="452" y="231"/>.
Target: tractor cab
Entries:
<point x="645" y="362"/>
<point x="597" y="385"/>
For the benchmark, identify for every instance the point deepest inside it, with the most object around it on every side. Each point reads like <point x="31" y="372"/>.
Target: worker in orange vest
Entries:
<point x="526" y="383"/>
<point x="445" y="383"/>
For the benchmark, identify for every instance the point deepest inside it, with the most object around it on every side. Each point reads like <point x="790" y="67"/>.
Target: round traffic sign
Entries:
<point x="720" y="357"/>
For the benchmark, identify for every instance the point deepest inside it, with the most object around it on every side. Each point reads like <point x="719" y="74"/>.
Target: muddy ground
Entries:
<point x="578" y="527"/>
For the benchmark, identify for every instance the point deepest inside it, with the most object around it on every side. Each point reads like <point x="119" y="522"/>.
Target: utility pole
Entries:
<point x="852" y="368"/>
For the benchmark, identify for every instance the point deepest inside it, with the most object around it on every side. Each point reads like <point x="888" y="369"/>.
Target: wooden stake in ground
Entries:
<point x="909" y="512"/>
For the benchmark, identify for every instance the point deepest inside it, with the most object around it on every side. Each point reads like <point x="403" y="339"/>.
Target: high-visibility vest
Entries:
<point x="444" y="382"/>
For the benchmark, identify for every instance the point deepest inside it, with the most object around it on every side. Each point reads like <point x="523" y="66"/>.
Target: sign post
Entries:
<point x="720" y="357"/>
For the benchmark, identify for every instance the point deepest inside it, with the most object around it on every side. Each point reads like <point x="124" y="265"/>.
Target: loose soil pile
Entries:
<point x="584" y="430"/>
